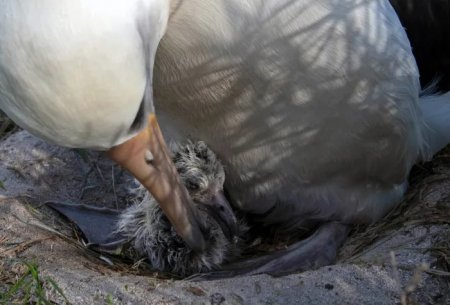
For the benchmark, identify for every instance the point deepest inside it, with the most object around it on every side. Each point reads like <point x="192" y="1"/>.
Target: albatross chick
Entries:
<point x="152" y="235"/>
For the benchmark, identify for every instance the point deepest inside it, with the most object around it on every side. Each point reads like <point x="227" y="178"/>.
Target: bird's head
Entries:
<point x="203" y="175"/>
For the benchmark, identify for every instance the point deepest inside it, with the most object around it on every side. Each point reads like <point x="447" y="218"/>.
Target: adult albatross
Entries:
<point x="79" y="74"/>
<point x="312" y="105"/>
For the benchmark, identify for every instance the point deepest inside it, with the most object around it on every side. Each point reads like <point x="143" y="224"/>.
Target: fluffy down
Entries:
<point x="152" y="235"/>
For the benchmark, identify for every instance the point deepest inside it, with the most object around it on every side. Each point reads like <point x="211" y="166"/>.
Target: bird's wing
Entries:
<point x="98" y="225"/>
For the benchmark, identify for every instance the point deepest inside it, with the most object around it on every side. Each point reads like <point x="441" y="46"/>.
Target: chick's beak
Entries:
<point x="147" y="157"/>
<point x="220" y="209"/>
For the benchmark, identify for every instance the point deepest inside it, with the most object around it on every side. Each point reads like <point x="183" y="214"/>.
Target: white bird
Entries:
<point x="312" y="105"/>
<point x="79" y="74"/>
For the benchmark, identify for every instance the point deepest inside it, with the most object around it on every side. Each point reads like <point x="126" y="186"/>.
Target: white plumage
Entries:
<point x="312" y="106"/>
<point x="75" y="73"/>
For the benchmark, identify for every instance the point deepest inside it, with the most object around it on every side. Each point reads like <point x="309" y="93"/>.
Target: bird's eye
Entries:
<point x="192" y="186"/>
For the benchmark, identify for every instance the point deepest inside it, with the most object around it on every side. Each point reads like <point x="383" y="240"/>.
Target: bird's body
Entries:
<point x="54" y="62"/>
<point x="151" y="236"/>
<point x="312" y="106"/>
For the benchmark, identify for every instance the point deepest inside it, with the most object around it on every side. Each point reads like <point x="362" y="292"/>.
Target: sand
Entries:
<point x="32" y="172"/>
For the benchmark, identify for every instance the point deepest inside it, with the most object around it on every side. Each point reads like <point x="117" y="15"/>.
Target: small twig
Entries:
<point x="23" y="246"/>
<point x="99" y="171"/>
<point x="138" y="263"/>
<point x="438" y="272"/>
<point x="395" y="269"/>
<point x="414" y="282"/>
<point x="114" y="187"/>
<point x="17" y="170"/>
<point x="85" y="182"/>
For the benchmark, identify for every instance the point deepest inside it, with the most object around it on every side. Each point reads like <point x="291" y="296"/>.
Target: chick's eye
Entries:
<point x="192" y="186"/>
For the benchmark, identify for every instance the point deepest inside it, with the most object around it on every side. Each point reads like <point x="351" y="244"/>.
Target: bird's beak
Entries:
<point x="147" y="157"/>
<point x="220" y="209"/>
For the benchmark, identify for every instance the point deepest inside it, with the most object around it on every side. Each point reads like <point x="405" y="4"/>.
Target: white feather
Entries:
<point x="74" y="72"/>
<point x="312" y="105"/>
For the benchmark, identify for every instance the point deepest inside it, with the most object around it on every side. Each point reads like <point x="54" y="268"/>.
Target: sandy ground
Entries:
<point x="32" y="172"/>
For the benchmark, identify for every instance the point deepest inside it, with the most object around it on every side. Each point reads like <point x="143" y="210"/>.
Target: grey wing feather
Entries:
<point x="97" y="224"/>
